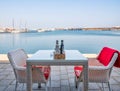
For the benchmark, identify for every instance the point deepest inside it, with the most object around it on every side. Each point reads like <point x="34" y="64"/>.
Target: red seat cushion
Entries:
<point x="45" y="69"/>
<point x="78" y="70"/>
<point x="106" y="55"/>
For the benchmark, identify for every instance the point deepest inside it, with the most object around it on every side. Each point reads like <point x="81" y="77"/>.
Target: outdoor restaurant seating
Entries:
<point x="40" y="74"/>
<point x="99" y="68"/>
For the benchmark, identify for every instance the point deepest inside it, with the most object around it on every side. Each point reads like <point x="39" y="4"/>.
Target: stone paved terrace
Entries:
<point x="62" y="79"/>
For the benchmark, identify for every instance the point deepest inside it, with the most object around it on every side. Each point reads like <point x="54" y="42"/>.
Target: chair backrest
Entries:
<point x="17" y="57"/>
<point x="107" y="56"/>
<point x="112" y="61"/>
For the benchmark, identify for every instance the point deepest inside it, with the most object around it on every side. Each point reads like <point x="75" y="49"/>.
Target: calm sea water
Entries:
<point x="84" y="41"/>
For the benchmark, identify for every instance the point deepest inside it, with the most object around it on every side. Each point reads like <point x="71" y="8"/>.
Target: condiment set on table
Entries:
<point x="59" y="52"/>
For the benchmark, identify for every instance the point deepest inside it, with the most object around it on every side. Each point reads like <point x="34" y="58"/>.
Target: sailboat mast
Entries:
<point x="20" y="26"/>
<point x="26" y="27"/>
<point x="13" y="23"/>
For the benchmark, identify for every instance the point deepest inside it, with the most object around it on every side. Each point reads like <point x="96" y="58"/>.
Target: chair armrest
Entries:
<point x="20" y="68"/>
<point x="98" y="68"/>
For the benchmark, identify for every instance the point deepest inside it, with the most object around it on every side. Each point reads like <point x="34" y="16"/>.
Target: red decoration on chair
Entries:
<point x="46" y="70"/>
<point x="106" y="55"/>
<point x="78" y="70"/>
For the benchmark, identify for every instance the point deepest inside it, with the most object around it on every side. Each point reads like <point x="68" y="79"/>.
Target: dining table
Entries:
<point x="46" y="57"/>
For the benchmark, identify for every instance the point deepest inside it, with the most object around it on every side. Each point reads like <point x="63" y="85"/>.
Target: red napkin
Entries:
<point x="106" y="55"/>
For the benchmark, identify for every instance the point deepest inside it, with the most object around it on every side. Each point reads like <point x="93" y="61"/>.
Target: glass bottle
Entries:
<point x="61" y="47"/>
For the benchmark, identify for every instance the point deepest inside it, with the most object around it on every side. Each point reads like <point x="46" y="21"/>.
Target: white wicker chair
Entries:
<point x="97" y="71"/>
<point x="18" y="59"/>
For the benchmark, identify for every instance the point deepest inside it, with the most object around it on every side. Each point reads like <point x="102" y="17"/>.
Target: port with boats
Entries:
<point x="82" y="40"/>
<point x="23" y="30"/>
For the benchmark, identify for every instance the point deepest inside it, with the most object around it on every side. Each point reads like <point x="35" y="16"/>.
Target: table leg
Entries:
<point x="29" y="77"/>
<point x="85" y="78"/>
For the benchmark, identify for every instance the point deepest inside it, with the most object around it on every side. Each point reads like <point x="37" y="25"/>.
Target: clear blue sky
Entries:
<point x="60" y="13"/>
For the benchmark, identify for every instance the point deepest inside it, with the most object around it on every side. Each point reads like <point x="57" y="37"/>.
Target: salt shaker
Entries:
<point x="57" y="50"/>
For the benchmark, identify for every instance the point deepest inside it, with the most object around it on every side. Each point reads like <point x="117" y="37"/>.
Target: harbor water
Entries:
<point x="84" y="41"/>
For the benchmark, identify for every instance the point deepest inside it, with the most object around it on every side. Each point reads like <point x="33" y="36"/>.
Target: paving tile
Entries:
<point x="72" y="84"/>
<point x="93" y="86"/>
<point x="106" y="89"/>
<point x="113" y="81"/>
<point x="2" y="66"/>
<point x="10" y="88"/>
<point x="55" y="78"/>
<point x="71" y="75"/>
<point x="80" y="87"/>
<point x="62" y="67"/>
<point x="72" y="80"/>
<point x="65" y="88"/>
<point x="115" y="73"/>
<point x="105" y="85"/>
<point x="9" y="69"/>
<point x="5" y="72"/>
<point x="10" y="76"/>
<point x="1" y="70"/>
<point x="64" y="83"/>
<point x="55" y="89"/>
<point x="95" y="90"/>
<point x="5" y="66"/>
<point x="63" y="72"/>
<point x="62" y="79"/>
<point x="55" y="68"/>
<point x="115" y="68"/>
<point x="55" y="73"/>
<point x="70" y="70"/>
<point x="5" y="82"/>
<point x="72" y="88"/>
<point x="2" y="77"/>
<point x="70" y="67"/>
<point x="2" y="88"/>
<point x="115" y="87"/>
<point x="13" y="82"/>
<point x="117" y="78"/>
<point x="55" y="83"/>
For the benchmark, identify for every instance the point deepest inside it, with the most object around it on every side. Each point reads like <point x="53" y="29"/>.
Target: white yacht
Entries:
<point x="41" y="30"/>
<point x="15" y="31"/>
<point x="1" y="31"/>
